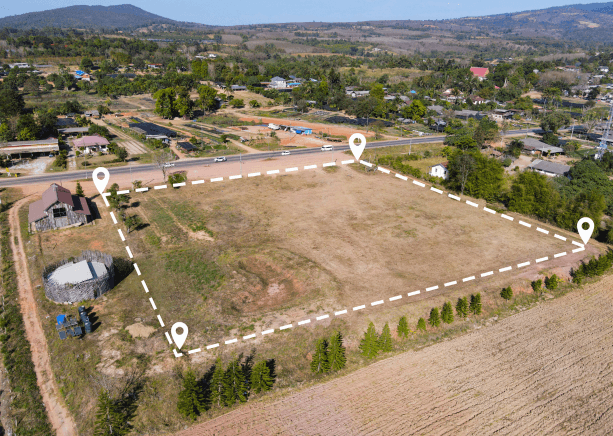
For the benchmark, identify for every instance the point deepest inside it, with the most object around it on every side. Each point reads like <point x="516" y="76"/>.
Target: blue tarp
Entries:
<point x="61" y="319"/>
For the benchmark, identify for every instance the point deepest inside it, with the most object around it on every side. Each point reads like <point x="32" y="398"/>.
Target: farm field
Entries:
<point x="542" y="371"/>
<point x="234" y="258"/>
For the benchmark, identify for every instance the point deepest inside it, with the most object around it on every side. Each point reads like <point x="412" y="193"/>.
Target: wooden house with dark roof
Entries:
<point x="58" y="208"/>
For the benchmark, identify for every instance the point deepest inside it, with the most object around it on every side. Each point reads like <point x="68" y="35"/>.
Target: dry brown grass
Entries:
<point x="283" y="249"/>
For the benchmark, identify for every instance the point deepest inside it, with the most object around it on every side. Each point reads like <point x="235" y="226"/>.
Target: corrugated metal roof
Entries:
<point x="48" y="141"/>
<point x="536" y="145"/>
<point x="51" y="196"/>
<point x="549" y="167"/>
<point x="30" y="149"/>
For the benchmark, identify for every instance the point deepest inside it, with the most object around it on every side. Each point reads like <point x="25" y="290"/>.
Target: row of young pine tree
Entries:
<point x="372" y="343"/>
<point x="329" y="355"/>
<point x="225" y="386"/>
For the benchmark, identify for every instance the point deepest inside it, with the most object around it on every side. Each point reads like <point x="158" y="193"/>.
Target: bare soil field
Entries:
<point x="286" y="139"/>
<point x="238" y="257"/>
<point x="330" y="129"/>
<point x="543" y="371"/>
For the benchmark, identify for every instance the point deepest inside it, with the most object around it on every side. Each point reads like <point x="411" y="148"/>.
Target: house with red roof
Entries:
<point x="480" y="72"/>
<point x="91" y="144"/>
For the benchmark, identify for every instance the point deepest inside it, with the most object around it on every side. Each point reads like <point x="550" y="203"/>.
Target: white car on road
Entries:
<point x="285" y="153"/>
<point x="221" y="159"/>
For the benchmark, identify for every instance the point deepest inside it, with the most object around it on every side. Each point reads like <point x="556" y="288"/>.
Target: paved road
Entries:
<point x="190" y="163"/>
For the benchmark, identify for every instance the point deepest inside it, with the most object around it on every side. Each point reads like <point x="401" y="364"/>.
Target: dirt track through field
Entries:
<point x="59" y="416"/>
<point x="544" y="371"/>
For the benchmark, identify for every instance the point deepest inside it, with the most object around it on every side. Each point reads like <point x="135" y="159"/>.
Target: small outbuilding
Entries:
<point x="86" y="277"/>
<point x="439" y="170"/>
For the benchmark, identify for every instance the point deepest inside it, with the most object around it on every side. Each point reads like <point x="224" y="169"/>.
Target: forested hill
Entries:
<point x="87" y="17"/>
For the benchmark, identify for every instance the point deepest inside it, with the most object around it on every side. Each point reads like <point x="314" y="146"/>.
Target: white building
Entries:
<point x="439" y="170"/>
<point x="278" y="82"/>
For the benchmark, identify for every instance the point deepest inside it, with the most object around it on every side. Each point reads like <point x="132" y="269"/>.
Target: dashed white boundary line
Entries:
<point x="381" y="302"/>
<point x="356" y="308"/>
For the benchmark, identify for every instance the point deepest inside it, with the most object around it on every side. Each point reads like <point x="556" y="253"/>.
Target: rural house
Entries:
<point x="550" y="169"/>
<point x="439" y="170"/>
<point x="91" y="144"/>
<point x="480" y="73"/>
<point x="532" y="145"/>
<point x="58" y="208"/>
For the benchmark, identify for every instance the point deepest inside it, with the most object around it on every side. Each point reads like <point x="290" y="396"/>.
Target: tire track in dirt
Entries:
<point x="542" y="371"/>
<point x="60" y="418"/>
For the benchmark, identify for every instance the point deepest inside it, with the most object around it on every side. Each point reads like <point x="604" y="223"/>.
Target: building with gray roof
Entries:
<point x="548" y="168"/>
<point x="533" y="145"/>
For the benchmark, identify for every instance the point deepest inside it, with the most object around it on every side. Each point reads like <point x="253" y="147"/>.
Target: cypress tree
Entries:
<point x="403" y="327"/>
<point x="421" y="324"/>
<point x="507" y="293"/>
<point x="369" y="345"/>
<point x="434" y="319"/>
<point x="320" y="363"/>
<point x="109" y="419"/>
<point x="551" y="283"/>
<point x="447" y="313"/>
<point x="385" y="339"/>
<point x="234" y="383"/>
<point x="337" y="359"/>
<point x="475" y="304"/>
<point x="191" y="399"/>
<point x="461" y="307"/>
<point x="261" y="381"/>
<point x="79" y="190"/>
<point x="217" y="383"/>
<point x="536" y="285"/>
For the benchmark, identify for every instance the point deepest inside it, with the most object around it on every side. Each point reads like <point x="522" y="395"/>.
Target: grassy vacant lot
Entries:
<point x="243" y="256"/>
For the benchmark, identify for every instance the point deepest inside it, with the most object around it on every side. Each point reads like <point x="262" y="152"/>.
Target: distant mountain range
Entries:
<point x="586" y="23"/>
<point x="88" y="17"/>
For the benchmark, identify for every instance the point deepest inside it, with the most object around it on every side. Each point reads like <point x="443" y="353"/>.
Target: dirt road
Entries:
<point x="58" y="414"/>
<point x="544" y="371"/>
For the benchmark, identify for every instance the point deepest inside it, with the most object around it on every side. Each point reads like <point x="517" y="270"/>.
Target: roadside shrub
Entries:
<point x="552" y="282"/>
<point x="178" y="177"/>
<point x="537" y="285"/>
<point x="595" y="267"/>
<point x="507" y="293"/>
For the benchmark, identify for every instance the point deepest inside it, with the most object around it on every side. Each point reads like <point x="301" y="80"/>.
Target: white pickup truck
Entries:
<point x="273" y="126"/>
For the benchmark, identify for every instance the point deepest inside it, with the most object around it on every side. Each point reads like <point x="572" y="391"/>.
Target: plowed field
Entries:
<point x="544" y="371"/>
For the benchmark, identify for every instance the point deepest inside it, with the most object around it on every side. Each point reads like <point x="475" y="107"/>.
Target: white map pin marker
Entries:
<point x="179" y="338"/>
<point x="101" y="183"/>
<point x="357" y="149"/>
<point x="585" y="234"/>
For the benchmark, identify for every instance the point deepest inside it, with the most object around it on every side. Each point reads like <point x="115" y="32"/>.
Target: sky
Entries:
<point x="232" y="12"/>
